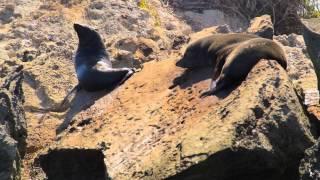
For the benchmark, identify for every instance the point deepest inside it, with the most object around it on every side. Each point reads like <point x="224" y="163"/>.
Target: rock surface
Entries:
<point x="13" y="131"/>
<point x="310" y="164"/>
<point x="145" y="129"/>
<point x="169" y="131"/>
<point x="262" y="26"/>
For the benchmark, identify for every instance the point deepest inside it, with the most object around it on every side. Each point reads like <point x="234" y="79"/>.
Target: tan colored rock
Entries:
<point x="262" y="26"/>
<point x="302" y="74"/>
<point x="152" y="132"/>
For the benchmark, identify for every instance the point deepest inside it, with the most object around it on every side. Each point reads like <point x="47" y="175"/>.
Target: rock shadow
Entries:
<point x="72" y="164"/>
<point x="190" y="77"/>
<point x="241" y="164"/>
<point x="82" y="101"/>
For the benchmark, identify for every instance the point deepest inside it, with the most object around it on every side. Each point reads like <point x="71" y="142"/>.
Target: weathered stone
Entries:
<point x="310" y="164"/>
<point x="13" y="131"/>
<point x="301" y="72"/>
<point x="7" y="14"/>
<point x="9" y="156"/>
<point x="262" y="26"/>
<point x="292" y="40"/>
<point x="258" y="131"/>
<point x="312" y="40"/>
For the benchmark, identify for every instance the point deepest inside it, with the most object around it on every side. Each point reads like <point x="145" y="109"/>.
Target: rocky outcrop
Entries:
<point x="13" y="132"/>
<point x="262" y="26"/>
<point x="144" y="129"/>
<point x="312" y="39"/>
<point x="148" y="131"/>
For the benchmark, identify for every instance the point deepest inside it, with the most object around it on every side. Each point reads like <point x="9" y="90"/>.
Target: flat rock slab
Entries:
<point x="149" y="131"/>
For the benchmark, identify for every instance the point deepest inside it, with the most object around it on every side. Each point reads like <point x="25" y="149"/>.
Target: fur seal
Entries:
<point x="93" y="66"/>
<point x="203" y="52"/>
<point x="237" y="60"/>
<point x="92" y="62"/>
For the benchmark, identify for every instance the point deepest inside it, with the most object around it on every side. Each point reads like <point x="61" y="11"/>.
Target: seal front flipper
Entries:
<point x="128" y="75"/>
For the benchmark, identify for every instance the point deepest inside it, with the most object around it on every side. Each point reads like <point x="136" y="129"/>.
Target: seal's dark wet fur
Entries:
<point x="93" y="67"/>
<point x="237" y="60"/>
<point x="203" y="52"/>
<point x="92" y="62"/>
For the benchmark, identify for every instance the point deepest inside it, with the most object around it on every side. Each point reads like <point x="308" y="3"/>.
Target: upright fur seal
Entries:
<point x="93" y="66"/>
<point x="203" y="52"/>
<point x="92" y="62"/>
<point x="240" y="59"/>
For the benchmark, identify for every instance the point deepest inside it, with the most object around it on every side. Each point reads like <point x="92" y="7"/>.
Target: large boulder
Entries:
<point x="150" y="131"/>
<point x="312" y="39"/>
<point x="13" y="131"/>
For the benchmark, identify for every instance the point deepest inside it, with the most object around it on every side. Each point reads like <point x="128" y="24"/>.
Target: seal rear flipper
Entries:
<point x="127" y="76"/>
<point x="216" y="86"/>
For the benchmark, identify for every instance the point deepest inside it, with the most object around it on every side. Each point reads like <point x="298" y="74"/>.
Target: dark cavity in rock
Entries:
<point x="73" y="164"/>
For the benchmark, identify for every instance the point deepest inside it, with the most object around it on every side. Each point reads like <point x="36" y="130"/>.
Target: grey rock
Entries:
<point x="310" y="165"/>
<point x="13" y="132"/>
<point x="9" y="156"/>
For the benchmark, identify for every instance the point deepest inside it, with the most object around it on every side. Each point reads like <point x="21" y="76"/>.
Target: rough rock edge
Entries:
<point x="13" y="131"/>
<point x="310" y="165"/>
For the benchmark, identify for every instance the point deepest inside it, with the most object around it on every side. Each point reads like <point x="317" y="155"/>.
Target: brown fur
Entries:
<point x="239" y="59"/>
<point x="203" y="52"/>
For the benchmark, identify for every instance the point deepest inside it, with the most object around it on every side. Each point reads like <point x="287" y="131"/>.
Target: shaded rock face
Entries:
<point x="7" y="14"/>
<point x="59" y="164"/>
<point x="310" y="164"/>
<point x="9" y="156"/>
<point x="152" y="132"/>
<point x="262" y="26"/>
<point x="13" y="131"/>
<point x="312" y="39"/>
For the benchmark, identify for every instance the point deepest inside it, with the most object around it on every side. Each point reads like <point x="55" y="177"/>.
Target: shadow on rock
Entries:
<point x="190" y="77"/>
<point x="82" y="101"/>
<point x="240" y="164"/>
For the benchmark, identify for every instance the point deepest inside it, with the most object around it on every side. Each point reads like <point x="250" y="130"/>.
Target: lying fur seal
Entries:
<point x="93" y="66"/>
<point x="240" y="58"/>
<point x="203" y="52"/>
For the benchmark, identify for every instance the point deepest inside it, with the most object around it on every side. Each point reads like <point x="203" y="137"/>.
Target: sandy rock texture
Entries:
<point x="152" y="132"/>
<point x="150" y="127"/>
<point x="262" y="26"/>
<point x="39" y="35"/>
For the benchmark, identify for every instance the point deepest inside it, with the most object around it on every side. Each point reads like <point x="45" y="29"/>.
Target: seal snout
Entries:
<point x="81" y="30"/>
<point x="179" y="63"/>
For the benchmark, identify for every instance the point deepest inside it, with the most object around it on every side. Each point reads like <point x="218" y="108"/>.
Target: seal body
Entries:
<point x="203" y="52"/>
<point x="241" y="58"/>
<point x="92" y="62"/>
